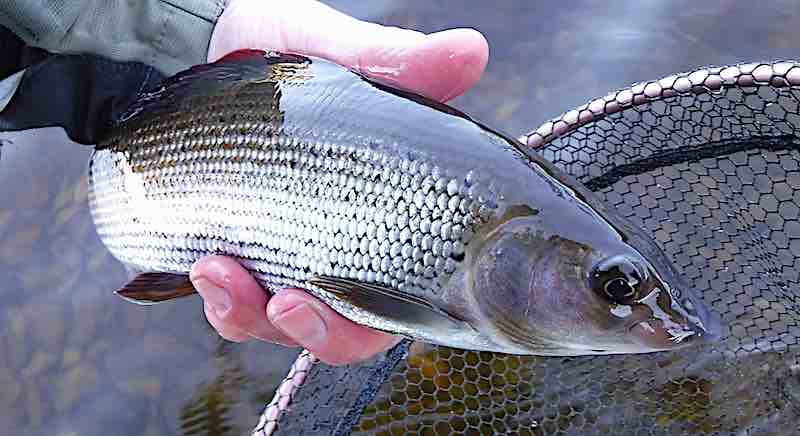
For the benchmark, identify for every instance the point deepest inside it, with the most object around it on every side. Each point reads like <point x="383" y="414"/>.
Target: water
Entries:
<point x="75" y="359"/>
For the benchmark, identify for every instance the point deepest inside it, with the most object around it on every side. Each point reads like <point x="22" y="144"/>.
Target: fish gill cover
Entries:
<point x="709" y="163"/>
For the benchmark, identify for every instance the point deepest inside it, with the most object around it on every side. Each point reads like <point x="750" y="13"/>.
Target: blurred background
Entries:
<point x="77" y="360"/>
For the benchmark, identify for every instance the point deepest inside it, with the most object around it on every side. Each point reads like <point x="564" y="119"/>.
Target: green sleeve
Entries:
<point x="169" y="35"/>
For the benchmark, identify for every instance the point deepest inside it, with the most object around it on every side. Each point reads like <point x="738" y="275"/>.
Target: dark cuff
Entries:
<point x="83" y="94"/>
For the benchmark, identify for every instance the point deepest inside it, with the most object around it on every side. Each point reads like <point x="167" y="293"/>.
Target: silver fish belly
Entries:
<point x="310" y="176"/>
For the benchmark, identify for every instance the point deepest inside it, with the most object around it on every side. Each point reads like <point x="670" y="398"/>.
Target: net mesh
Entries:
<point x="709" y="163"/>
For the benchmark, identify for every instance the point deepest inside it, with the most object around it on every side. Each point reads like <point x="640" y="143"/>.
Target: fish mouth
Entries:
<point x="672" y="325"/>
<point x="702" y="321"/>
<point x="654" y="334"/>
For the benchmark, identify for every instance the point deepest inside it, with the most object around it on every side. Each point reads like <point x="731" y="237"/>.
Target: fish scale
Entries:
<point x="385" y="205"/>
<point x="168" y="197"/>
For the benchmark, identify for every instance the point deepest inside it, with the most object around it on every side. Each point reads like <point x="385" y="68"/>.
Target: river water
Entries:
<point x="75" y="359"/>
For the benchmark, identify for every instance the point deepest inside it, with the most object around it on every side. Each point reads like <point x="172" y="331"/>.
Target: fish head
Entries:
<point x="546" y="294"/>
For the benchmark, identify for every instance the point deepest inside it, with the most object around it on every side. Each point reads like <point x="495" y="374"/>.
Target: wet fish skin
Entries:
<point x="393" y="209"/>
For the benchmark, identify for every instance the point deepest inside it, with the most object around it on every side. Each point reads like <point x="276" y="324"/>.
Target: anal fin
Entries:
<point x="156" y="287"/>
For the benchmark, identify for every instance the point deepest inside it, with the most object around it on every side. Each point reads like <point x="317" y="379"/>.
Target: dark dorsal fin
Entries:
<point x="389" y="303"/>
<point x="156" y="287"/>
<point x="241" y="66"/>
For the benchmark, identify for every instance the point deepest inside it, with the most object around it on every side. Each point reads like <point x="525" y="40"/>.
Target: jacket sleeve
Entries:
<point x="170" y="35"/>
<point x="91" y="95"/>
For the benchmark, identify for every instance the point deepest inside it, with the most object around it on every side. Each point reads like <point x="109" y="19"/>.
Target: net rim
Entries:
<point x="702" y="80"/>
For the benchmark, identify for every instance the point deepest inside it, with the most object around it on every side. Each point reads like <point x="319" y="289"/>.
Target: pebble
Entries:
<point x="34" y="405"/>
<point x="33" y="192"/>
<point x="40" y="361"/>
<point x="18" y="246"/>
<point x="148" y="386"/>
<point x="70" y="357"/>
<point x="15" y="348"/>
<point x="74" y="384"/>
<point x="45" y="325"/>
<point x="65" y="215"/>
<point x="98" y="349"/>
<point x="63" y="199"/>
<point x="11" y="389"/>
<point x="5" y="220"/>
<point x="87" y="322"/>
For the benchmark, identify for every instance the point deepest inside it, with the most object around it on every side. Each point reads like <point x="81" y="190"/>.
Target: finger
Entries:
<point x="229" y="332"/>
<point x="331" y="337"/>
<point x="441" y="65"/>
<point x="235" y="303"/>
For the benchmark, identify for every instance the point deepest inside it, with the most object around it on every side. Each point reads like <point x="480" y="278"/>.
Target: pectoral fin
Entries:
<point x="156" y="287"/>
<point x="389" y="303"/>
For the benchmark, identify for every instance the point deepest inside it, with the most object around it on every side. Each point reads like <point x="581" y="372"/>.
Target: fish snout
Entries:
<point x="654" y="335"/>
<point x="700" y="319"/>
<point x="658" y="334"/>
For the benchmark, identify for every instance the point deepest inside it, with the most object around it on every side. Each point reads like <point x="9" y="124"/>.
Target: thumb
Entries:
<point x="441" y="65"/>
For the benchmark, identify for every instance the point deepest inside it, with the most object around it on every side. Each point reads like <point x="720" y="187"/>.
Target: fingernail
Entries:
<point x="298" y="319"/>
<point x="217" y="298"/>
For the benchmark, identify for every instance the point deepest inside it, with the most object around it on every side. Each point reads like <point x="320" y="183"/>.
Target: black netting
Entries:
<point x="709" y="163"/>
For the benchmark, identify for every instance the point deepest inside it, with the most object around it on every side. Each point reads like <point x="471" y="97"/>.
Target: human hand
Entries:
<point x="440" y="66"/>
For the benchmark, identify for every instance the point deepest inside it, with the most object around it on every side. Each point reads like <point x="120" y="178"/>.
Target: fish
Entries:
<point x="401" y="213"/>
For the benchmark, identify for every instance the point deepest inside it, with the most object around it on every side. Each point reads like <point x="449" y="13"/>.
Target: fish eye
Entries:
<point x="617" y="279"/>
<point x="618" y="289"/>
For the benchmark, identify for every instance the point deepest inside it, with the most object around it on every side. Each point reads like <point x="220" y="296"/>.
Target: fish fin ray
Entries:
<point x="156" y="287"/>
<point x="387" y="302"/>
<point x="233" y="69"/>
